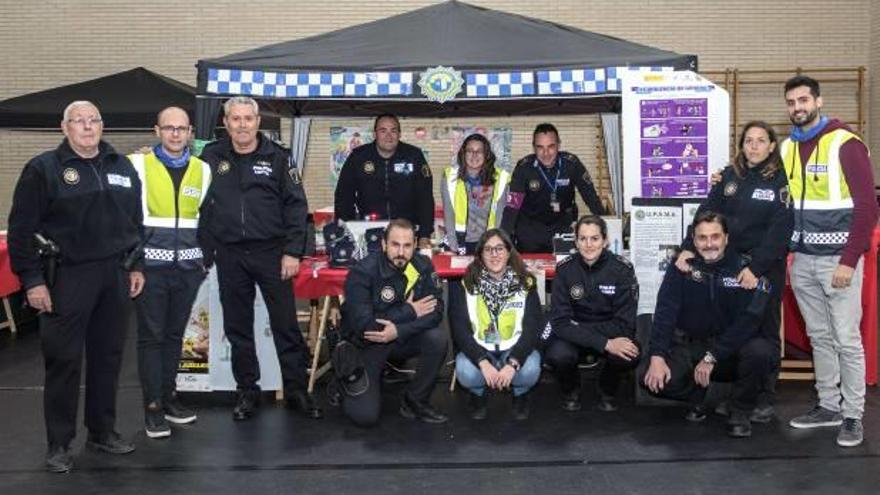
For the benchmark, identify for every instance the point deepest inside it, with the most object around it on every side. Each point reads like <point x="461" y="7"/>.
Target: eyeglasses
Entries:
<point x="170" y="129"/>
<point x="499" y="249"/>
<point x="82" y="122"/>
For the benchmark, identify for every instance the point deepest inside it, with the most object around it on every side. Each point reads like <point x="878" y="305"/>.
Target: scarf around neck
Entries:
<point x="496" y="292"/>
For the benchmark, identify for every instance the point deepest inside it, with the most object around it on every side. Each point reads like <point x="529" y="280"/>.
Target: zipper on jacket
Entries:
<point x="97" y="175"/>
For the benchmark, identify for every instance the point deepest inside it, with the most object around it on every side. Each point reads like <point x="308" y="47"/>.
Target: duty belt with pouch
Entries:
<point x="50" y="254"/>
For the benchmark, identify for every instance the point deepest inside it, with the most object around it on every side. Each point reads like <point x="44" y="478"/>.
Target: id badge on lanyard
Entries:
<point x="555" y="205"/>
<point x="491" y="336"/>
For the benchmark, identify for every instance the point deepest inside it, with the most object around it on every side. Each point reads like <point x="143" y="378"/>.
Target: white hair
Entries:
<point x="79" y="103"/>
<point x="240" y="100"/>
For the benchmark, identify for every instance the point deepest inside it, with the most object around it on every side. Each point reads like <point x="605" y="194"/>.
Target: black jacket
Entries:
<point x="463" y="332"/>
<point x="91" y="208"/>
<point x="759" y="220"/>
<point x="256" y="197"/>
<point x="592" y="304"/>
<point x="529" y="194"/>
<point x="399" y="187"/>
<point x="708" y="303"/>
<point x="374" y="289"/>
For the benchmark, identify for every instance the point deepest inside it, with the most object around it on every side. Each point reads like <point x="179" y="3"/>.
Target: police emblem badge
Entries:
<point x="70" y="176"/>
<point x="369" y="168"/>
<point x="387" y="294"/>
<point x="223" y="167"/>
<point x="730" y="188"/>
<point x="576" y="292"/>
<point x="441" y="84"/>
<point x="534" y="185"/>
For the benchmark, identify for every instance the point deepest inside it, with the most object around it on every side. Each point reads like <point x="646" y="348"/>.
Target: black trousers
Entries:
<point x="748" y="369"/>
<point x="533" y="236"/>
<point x="91" y="305"/>
<point x="430" y="346"/>
<point x="163" y="311"/>
<point x="562" y="357"/>
<point x="238" y="269"/>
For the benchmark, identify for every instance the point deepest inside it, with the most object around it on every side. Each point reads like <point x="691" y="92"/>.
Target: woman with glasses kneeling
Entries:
<point x="495" y="317"/>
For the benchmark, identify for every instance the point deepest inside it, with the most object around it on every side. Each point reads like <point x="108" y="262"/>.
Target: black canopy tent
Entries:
<point x="504" y="64"/>
<point x="127" y="100"/>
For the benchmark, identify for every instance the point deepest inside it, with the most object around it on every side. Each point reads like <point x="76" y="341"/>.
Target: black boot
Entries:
<point x="571" y="401"/>
<point x="521" y="407"/>
<point x="739" y="426"/>
<point x="477" y="406"/>
<point x="413" y="409"/>
<point x="246" y="404"/>
<point x="305" y="403"/>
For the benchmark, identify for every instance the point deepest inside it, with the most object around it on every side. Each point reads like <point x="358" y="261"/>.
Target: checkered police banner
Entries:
<point x="586" y="81"/>
<point x="500" y="84"/>
<point x="309" y="84"/>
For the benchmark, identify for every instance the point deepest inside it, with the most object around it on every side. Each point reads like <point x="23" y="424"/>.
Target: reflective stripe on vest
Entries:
<point x="509" y="320"/>
<point x="458" y="192"/>
<point x="819" y="194"/>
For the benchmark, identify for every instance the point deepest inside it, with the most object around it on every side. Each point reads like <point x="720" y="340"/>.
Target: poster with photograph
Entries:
<point x="655" y="235"/>
<point x="675" y="133"/>
<point x="342" y="141"/>
<point x="193" y="372"/>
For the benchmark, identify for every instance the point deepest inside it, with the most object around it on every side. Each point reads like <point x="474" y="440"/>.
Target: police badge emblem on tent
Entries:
<point x="441" y="84"/>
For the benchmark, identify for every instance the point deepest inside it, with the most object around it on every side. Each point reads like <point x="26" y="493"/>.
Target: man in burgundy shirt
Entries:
<point x="831" y="189"/>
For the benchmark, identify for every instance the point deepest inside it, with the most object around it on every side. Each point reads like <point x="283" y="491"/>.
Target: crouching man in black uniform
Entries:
<point x="86" y="198"/>
<point x="707" y="327"/>
<point x="393" y="309"/>
<point x="254" y="223"/>
<point x="595" y="295"/>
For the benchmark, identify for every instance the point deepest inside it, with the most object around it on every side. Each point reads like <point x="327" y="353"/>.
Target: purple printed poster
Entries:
<point x="674" y="147"/>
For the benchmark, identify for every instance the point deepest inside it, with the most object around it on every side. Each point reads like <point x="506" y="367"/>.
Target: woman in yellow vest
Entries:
<point x="495" y="317"/>
<point x="473" y="193"/>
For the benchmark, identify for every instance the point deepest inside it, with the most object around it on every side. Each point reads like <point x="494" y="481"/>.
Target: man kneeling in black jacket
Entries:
<point x="393" y="309"/>
<point x="707" y="327"/>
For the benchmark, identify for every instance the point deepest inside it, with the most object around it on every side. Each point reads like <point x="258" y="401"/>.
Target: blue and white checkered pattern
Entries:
<point x="500" y="84"/>
<point x="586" y="81"/>
<point x="308" y="84"/>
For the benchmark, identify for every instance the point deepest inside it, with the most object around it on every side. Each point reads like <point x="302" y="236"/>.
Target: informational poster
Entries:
<point x="206" y="363"/>
<point x="193" y="373"/>
<point x="655" y="235"/>
<point x="501" y="139"/>
<point x="675" y="133"/>
<point x="342" y="141"/>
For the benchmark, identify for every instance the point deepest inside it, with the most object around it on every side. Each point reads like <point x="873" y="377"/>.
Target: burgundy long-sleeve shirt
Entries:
<point x="859" y="175"/>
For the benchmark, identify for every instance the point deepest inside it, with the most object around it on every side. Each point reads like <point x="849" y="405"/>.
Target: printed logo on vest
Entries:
<point x="817" y="169"/>
<point x="192" y="192"/>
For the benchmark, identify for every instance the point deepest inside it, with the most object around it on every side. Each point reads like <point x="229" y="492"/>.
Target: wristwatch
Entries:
<point x="514" y="364"/>
<point x="709" y="358"/>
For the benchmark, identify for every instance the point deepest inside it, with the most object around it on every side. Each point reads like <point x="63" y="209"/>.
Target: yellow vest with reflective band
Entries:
<point x="509" y="325"/>
<point x="458" y="193"/>
<point x="170" y="222"/>
<point x="819" y="194"/>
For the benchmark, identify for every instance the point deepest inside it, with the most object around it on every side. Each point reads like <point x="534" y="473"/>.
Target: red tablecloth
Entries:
<point x="316" y="279"/>
<point x="8" y="281"/>
<point x="796" y="335"/>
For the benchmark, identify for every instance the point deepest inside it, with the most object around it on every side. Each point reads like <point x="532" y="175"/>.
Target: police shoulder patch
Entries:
<point x="426" y="171"/>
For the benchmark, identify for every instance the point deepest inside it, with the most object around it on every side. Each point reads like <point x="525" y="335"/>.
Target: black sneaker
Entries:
<point x="413" y="409"/>
<point x="110" y="443"/>
<point x="695" y="414"/>
<point x="739" y="426"/>
<point x="521" y="407"/>
<point x="177" y="413"/>
<point x="477" y="406"/>
<point x="154" y="421"/>
<point x="58" y="459"/>
<point x="607" y="403"/>
<point x="762" y="414"/>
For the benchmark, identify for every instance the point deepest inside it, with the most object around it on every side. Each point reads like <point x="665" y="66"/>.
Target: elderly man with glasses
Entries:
<point x="82" y="202"/>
